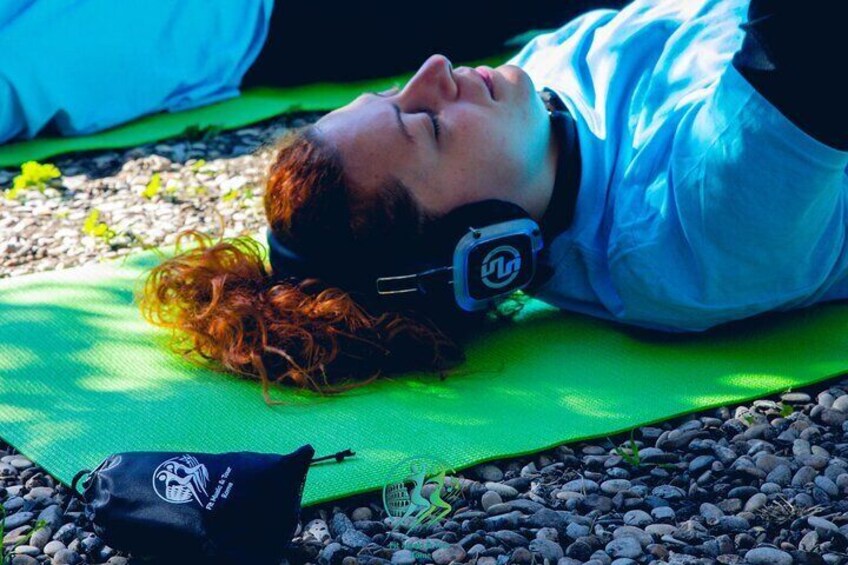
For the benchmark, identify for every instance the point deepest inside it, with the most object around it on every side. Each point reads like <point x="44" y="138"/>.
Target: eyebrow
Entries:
<point x="397" y="110"/>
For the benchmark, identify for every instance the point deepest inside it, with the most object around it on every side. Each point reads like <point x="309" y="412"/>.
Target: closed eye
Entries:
<point x="437" y="128"/>
<point x="435" y="119"/>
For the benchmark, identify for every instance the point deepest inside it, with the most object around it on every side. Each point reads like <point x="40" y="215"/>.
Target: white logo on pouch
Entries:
<point x="504" y="262"/>
<point x="182" y="479"/>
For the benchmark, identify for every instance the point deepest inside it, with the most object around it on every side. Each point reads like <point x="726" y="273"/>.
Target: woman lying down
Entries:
<point x="672" y="165"/>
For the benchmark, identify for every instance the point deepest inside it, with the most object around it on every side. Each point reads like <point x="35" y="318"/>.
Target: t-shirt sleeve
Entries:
<point x="747" y="216"/>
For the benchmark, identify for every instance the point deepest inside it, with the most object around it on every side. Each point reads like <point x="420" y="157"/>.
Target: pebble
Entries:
<point x="488" y="473"/>
<point x="768" y="556"/>
<point x="781" y="475"/>
<point x="756" y="502"/>
<point x="318" y="530"/>
<point x="66" y="557"/>
<point x="581" y="485"/>
<point x="575" y="530"/>
<point x="804" y="476"/>
<point x="52" y="547"/>
<point x="445" y="555"/>
<point x="40" y="537"/>
<point x="17" y="519"/>
<point x="614" y="486"/>
<point x="489" y="499"/>
<point x="638" y="518"/>
<point x="632" y="532"/>
<point x="795" y="397"/>
<point x="660" y="530"/>
<point x="549" y="550"/>
<point x="840" y="404"/>
<point x="403" y="557"/>
<point x="662" y="513"/>
<point x="668" y="492"/>
<point x="506" y="492"/>
<point x="624" y="547"/>
<point x="821" y="523"/>
<point x="361" y="513"/>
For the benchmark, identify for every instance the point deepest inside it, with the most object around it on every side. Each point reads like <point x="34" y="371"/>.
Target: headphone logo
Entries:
<point x="500" y="266"/>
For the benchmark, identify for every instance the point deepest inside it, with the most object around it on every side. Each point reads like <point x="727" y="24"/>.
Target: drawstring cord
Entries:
<point x="74" y="490"/>
<point x="338" y="456"/>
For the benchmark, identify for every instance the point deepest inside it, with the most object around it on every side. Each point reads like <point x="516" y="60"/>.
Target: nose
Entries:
<point x="432" y="83"/>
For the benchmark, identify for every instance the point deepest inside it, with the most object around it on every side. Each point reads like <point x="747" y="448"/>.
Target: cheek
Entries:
<point x="490" y="150"/>
<point x="483" y="136"/>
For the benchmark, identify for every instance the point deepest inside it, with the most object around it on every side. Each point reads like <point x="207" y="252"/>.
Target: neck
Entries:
<point x="544" y="192"/>
<point x="549" y="177"/>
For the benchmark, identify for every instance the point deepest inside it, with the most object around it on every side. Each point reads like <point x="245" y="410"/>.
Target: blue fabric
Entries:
<point x="700" y="203"/>
<point x="93" y="64"/>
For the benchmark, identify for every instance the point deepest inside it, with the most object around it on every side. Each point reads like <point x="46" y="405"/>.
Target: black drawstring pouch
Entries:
<point x="192" y="506"/>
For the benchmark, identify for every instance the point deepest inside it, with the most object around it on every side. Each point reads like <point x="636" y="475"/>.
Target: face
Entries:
<point x="453" y="136"/>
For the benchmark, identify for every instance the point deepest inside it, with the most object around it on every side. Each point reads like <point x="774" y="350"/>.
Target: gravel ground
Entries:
<point x="760" y="483"/>
<point x="205" y="183"/>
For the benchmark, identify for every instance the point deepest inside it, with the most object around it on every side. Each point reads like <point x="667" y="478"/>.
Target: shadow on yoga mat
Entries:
<point x="84" y="376"/>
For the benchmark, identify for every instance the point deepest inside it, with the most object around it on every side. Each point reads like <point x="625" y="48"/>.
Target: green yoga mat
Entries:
<point x="83" y="376"/>
<point x="253" y="105"/>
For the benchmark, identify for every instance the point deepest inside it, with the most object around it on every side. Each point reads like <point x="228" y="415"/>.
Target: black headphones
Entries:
<point x="476" y="253"/>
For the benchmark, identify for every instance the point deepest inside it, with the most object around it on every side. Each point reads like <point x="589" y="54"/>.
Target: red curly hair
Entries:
<point x="222" y="305"/>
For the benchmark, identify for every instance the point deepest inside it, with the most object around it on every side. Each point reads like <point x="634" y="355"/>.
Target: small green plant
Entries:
<point x="33" y="175"/>
<point x="6" y="558"/>
<point x="231" y="195"/>
<point x="94" y="227"/>
<point x="3" y="559"/>
<point x="243" y="194"/>
<point x="748" y="418"/>
<point x="786" y="410"/>
<point x="631" y="458"/>
<point x="153" y="187"/>
<point x="197" y="190"/>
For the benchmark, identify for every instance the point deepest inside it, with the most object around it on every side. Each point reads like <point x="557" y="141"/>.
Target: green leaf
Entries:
<point x="786" y="410"/>
<point x="93" y="227"/>
<point x="35" y="174"/>
<point x="153" y="187"/>
<point x="2" y="534"/>
<point x="90" y="222"/>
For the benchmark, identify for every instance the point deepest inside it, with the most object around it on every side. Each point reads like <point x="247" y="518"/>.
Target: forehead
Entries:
<point x="359" y="120"/>
<point x="368" y="138"/>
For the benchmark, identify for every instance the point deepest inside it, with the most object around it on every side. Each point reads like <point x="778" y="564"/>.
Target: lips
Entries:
<point x="486" y="75"/>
